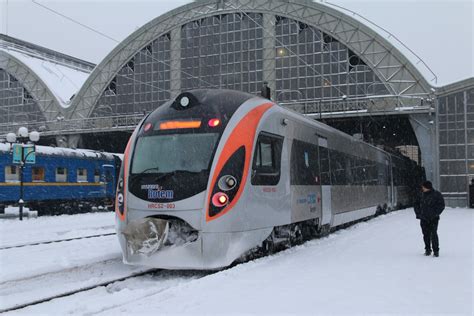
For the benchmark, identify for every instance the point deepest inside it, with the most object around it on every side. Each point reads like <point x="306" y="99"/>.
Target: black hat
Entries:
<point x="428" y="185"/>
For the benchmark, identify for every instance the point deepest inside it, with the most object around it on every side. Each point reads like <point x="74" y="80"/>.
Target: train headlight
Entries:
<point x="227" y="183"/>
<point x="184" y="102"/>
<point x="120" y="198"/>
<point x="220" y="199"/>
<point x="230" y="181"/>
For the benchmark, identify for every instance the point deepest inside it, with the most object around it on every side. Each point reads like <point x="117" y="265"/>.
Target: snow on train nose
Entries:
<point x="148" y="235"/>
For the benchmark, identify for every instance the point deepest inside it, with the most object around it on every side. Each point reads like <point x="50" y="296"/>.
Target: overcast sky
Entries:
<point x="440" y="32"/>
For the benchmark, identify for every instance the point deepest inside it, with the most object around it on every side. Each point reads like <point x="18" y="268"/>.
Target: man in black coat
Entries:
<point x="427" y="209"/>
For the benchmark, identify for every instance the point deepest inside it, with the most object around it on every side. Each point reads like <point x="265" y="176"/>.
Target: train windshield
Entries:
<point x="174" y="153"/>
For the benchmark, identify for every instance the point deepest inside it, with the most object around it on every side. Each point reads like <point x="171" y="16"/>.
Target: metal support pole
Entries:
<point x="22" y="165"/>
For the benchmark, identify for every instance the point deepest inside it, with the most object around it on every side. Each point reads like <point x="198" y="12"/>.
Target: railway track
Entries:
<point x="54" y="241"/>
<point x="76" y="291"/>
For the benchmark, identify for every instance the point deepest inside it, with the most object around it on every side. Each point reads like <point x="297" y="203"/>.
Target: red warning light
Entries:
<point x="214" y="122"/>
<point x="148" y="126"/>
<point x="220" y="199"/>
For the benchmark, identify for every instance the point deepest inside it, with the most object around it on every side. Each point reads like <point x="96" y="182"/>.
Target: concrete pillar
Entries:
<point x="269" y="53"/>
<point x="175" y="63"/>
<point x="425" y="131"/>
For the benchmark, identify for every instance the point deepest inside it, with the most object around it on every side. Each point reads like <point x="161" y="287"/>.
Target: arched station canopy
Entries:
<point x="305" y="51"/>
<point x="36" y="84"/>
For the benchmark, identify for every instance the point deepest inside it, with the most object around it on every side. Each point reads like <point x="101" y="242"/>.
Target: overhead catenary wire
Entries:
<point x="321" y="75"/>
<point x="115" y="40"/>
<point x="342" y="94"/>
<point x="311" y="67"/>
<point x="288" y="49"/>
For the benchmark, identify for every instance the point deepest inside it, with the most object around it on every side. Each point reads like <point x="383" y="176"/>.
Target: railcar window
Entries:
<point x="61" y="174"/>
<point x="108" y="176"/>
<point x="266" y="154"/>
<point x="37" y="174"/>
<point x="12" y="174"/>
<point x="350" y="170"/>
<point x="96" y="175"/>
<point x="338" y="168"/>
<point x="81" y="175"/>
<point x="267" y="160"/>
<point x="324" y="165"/>
<point x="304" y="164"/>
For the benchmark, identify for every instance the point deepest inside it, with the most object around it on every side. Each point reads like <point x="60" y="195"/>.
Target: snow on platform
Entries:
<point x="373" y="267"/>
<point x="49" y="228"/>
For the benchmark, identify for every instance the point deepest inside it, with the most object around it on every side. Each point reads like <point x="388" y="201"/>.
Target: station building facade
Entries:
<point x="315" y="59"/>
<point x="37" y="85"/>
<point x="455" y="134"/>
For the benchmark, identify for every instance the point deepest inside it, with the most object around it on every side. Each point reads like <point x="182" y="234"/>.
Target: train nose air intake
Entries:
<point x="148" y="235"/>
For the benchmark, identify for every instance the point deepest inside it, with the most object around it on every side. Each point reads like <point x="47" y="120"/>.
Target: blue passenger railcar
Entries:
<point x="62" y="180"/>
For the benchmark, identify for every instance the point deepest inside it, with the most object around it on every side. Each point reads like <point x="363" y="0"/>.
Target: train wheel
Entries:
<point x="379" y="211"/>
<point x="296" y="235"/>
<point x="268" y="245"/>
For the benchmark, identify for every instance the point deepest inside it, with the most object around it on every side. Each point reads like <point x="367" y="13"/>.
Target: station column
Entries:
<point x="269" y="54"/>
<point x="175" y="64"/>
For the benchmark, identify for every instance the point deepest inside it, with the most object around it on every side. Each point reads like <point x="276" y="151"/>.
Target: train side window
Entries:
<point x="96" y="175"/>
<point x="108" y="176"/>
<point x="37" y="174"/>
<point x="267" y="160"/>
<point x="12" y="174"/>
<point x="325" y="171"/>
<point x="61" y="174"/>
<point x="81" y="175"/>
<point x="338" y="168"/>
<point x="304" y="164"/>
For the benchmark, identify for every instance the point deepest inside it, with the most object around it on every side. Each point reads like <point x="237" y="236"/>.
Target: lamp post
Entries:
<point x="23" y="137"/>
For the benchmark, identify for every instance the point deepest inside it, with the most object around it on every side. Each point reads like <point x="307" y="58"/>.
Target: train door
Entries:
<point x="305" y="181"/>
<point x="325" y="181"/>
<point x="108" y="178"/>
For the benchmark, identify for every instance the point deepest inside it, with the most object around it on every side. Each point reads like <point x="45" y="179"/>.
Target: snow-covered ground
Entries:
<point x="34" y="272"/>
<point x="373" y="267"/>
<point x="31" y="230"/>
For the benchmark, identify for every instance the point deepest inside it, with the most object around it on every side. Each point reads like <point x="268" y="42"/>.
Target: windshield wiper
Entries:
<point x="147" y="169"/>
<point x="135" y="176"/>
<point x="174" y="172"/>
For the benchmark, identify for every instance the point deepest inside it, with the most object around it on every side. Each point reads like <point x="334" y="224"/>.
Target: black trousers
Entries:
<point x="430" y="234"/>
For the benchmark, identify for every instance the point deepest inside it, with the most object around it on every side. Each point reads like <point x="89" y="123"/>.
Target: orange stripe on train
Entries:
<point x="125" y="172"/>
<point x="242" y="135"/>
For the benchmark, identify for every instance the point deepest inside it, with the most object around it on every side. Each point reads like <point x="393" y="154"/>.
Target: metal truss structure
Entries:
<point x="25" y="98"/>
<point x="42" y="104"/>
<point x="402" y="80"/>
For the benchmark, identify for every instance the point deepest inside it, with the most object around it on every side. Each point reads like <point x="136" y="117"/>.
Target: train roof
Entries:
<point x="329" y="129"/>
<point x="66" y="152"/>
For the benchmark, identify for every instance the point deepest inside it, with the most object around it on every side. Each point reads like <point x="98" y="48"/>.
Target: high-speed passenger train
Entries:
<point x="214" y="175"/>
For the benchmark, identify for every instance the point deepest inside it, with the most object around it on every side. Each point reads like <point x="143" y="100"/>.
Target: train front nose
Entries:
<point x="146" y="236"/>
<point x="149" y="235"/>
